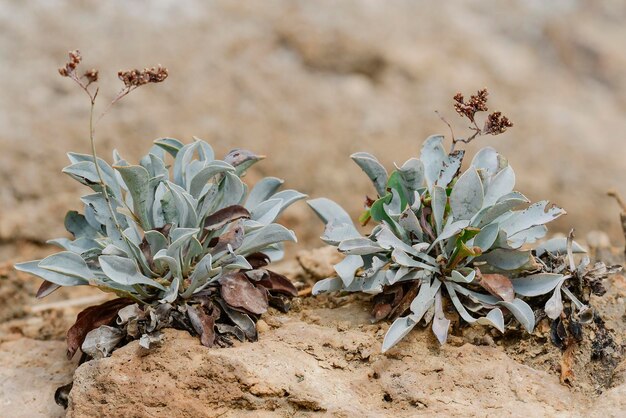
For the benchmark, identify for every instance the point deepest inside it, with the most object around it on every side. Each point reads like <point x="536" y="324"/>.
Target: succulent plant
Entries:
<point x="185" y="246"/>
<point x="442" y="238"/>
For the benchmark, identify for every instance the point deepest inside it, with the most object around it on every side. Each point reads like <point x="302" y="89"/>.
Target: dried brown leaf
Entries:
<point x="381" y="311"/>
<point x="498" y="285"/>
<point x="233" y="237"/>
<point x="405" y="302"/>
<point x="384" y="303"/>
<point x="280" y="302"/>
<point x="46" y="288"/>
<point x="203" y="324"/>
<point x="258" y="260"/>
<point x="90" y="319"/>
<point x="567" y="363"/>
<point x="277" y="283"/>
<point x="224" y="216"/>
<point x="238" y="292"/>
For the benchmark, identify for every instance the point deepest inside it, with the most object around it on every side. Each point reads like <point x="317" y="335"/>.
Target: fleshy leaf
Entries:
<point x="537" y="284"/>
<point x="522" y="312"/>
<point x="467" y="195"/>
<point x="558" y="246"/>
<point x="137" y="180"/>
<point x="347" y="268"/>
<point x="32" y="267"/>
<point x="537" y="214"/>
<point x="441" y="324"/>
<point x="397" y="331"/>
<point x="124" y="271"/>
<point x="374" y="170"/>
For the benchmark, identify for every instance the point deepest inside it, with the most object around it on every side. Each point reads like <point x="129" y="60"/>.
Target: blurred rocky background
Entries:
<point x="310" y="82"/>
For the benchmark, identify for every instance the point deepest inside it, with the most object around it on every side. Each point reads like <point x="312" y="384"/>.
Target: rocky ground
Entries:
<point x="321" y="359"/>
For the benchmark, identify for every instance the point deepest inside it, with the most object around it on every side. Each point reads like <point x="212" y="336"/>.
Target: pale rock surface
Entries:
<point x="30" y="373"/>
<point x="304" y="369"/>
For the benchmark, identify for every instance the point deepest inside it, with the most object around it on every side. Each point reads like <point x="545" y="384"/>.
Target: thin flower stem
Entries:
<point x="103" y="184"/>
<point x="119" y="97"/>
<point x="618" y="198"/>
<point x="94" y="154"/>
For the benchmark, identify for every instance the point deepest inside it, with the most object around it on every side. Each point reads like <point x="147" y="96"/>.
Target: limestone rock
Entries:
<point x="303" y="369"/>
<point x="30" y="372"/>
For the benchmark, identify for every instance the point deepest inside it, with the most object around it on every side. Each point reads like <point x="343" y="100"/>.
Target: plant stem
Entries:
<point x="119" y="97"/>
<point x="103" y="184"/>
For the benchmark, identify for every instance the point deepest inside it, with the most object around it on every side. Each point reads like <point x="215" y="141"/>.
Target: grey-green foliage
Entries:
<point x="165" y="233"/>
<point x="459" y="235"/>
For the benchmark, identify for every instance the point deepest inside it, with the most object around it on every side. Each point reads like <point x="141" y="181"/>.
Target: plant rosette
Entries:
<point x="185" y="246"/>
<point x="451" y="239"/>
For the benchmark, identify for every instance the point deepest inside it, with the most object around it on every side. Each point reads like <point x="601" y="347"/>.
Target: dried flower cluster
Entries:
<point x="70" y="66"/>
<point x="132" y="79"/>
<point x="91" y="75"/>
<point x="136" y="78"/>
<point x="476" y="103"/>
<point x="496" y="124"/>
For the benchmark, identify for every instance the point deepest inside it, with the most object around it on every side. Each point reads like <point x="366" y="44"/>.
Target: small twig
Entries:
<point x="449" y="126"/>
<point x="622" y="204"/>
<point x="570" y="253"/>
<point x="305" y="292"/>
<point x="615" y="194"/>
<point x="123" y="93"/>
<point x="465" y="140"/>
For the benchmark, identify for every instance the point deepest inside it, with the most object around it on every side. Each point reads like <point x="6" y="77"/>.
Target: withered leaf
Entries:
<point x="498" y="285"/>
<point x="165" y="230"/>
<point x="238" y="292"/>
<point x="101" y="342"/>
<point x="256" y="275"/>
<point x="405" y="302"/>
<point x="203" y="324"/>
<point x="144" y="245"/>
<point x="231" y="329"/>
<point x="567" y="363"/>
<point x="233" y="237"/>
<point x="575" y="330"/>
<point x="258" y="260"/>
<point x="280" y="302"/>
<point x="46" y="288"/>
<point x="277" y="283"/>
<point x="381" y="311"/>
<point x="61" y="395"/>
<point x="558" y="334"/>
<point x="242" y="321"/>
<point x="90" y="319"/>
<point x="385" y="302"/>
<point x="224" y="216"/>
